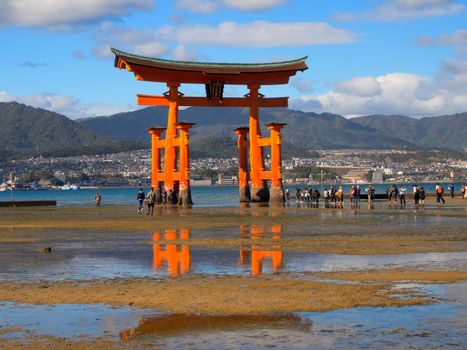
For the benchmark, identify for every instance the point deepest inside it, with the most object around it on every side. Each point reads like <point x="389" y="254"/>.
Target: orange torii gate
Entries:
<point x="176" y="173"/>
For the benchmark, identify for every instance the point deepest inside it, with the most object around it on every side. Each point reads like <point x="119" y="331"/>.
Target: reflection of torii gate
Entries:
<point x="176" y="254"/>
<point x="176" y="173"/>
<point x="265" y="244"/>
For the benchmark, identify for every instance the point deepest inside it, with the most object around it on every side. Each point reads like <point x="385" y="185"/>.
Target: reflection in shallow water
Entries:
<point x="260" y="250"/>
<point x="439" y="325"/>
<point x="264" y="245"/>
<point x="173" y="325"/>
<point x="177" y="256"/>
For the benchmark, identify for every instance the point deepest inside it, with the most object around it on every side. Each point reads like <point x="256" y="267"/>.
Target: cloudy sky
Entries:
<point x="365" y="57"/>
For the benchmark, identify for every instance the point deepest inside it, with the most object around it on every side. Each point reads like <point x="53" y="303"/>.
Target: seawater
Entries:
<point x="209" y="196"/>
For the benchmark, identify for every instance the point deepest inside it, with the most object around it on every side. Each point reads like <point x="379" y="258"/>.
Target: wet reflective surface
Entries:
<point x="255" y="250"/>
<point x="170" y="253"/>
<point x="432" y="326"/>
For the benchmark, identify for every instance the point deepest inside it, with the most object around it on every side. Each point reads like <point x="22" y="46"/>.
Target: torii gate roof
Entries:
<point x="162" y="70"/>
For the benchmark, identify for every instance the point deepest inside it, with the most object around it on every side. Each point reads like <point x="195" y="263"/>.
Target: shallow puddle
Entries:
<point x="431" y="326"/>
<point x="67" y="320"/>
<point x="167" y="253"/>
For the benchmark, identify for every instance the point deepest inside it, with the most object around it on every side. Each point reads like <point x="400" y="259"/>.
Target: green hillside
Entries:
<point x="446" y="131"/>
<point x="26" y="131"/>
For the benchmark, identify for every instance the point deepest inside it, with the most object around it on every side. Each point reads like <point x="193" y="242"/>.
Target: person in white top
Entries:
<point x="402" y="192"/>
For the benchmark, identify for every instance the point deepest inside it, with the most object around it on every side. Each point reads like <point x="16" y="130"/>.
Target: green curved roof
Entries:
<point x="296" y="64"/>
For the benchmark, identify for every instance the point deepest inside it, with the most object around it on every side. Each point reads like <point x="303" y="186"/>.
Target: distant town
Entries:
<point x="327" y="166"/>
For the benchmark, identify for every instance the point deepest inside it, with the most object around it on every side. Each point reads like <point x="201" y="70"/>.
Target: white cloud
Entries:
<point x="143" y="42"/>
<point x="150" y="49"/>
<point x="6" y="97"/>
<point x="78" y="54"/>
<point x="252" y="5"/>
<point x="258" y="34"/>
<point x="395" y="93"/>
<point x="103" y="51"/>
<point x="458" y="38"/>
<point x="183" y="40"/>
<point x="206" y="6"/>
<point x="361" y="86"/>
<point x="182" y="53"/>
<point x="66" y="105"/>
<point x="202" y="6"/>
<point x="64" y="13"/>
<point x="32" y="64"/>
<point x="300" y="84"/>
<point x="393" y="10"/>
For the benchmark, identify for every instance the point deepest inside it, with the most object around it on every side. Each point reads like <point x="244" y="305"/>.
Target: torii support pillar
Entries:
<point x="184" y="197"/>
<point x="156" y="175"/>
<point x="277" y="191"/>
<point x="243" y="181"/>
<point x="170" y="157"/>
<point x="259" y="187"/>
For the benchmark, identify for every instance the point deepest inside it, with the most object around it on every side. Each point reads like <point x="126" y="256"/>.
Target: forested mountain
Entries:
<point x="26" y="130"/>
<point x="447" y="131"/>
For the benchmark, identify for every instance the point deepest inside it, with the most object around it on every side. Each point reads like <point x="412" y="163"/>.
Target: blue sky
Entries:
<point x="365" y="57"/>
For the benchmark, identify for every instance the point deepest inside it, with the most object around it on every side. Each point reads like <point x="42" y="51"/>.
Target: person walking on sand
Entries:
<point x="439" y="194"/>
<point x="97" y="199"/>
<point x="416" y="196"/>
<point x="402" y="192"/>
<point x="416" y="193"/>
<point x="371" y="193"/>
<point x="340" y="196"/>
<point x="421" y="196"/>
<point x="140" y="198"/>
<point x="463" y="191"/>
<point x="451" y="190"/>
<point x="151" y="200"/>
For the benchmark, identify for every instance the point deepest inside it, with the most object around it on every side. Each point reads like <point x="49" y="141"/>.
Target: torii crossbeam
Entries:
<point x="175" y="176"/>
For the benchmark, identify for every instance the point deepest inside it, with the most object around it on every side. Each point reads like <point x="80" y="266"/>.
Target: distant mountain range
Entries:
<point x="26" y="130"/>
<point x="304" y="131"/>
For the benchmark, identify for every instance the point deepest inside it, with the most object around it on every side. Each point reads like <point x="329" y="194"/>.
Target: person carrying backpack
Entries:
<point x="439" y="194"/>
<point x="140" y="198"/>
<point x="151" y="200"/>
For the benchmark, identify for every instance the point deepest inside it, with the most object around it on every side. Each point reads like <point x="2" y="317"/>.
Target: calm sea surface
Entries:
<point x="210" y="196"/>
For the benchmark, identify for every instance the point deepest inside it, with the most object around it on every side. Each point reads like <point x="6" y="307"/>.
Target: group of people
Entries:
<point x="333" y="196"/>
<point x="395" y="194"/>
<point x="150" y="199"/>
<point x="310" y="196"/>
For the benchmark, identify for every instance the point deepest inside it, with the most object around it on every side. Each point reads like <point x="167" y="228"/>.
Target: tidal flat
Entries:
<point x="257" y="276"/>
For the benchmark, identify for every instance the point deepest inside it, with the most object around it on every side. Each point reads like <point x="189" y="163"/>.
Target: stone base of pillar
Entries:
<point x="277" y="195"/>
<point x="260" y="194"/>
<point x="184" y="197"/>
<point x="158" y="191"/>
<point x="244" y="193"/>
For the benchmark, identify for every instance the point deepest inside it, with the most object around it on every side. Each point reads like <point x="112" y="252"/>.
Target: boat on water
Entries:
<point x="68" y="187"/>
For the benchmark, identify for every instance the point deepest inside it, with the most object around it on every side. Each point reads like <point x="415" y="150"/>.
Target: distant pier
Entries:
<point x="37" y="203"/>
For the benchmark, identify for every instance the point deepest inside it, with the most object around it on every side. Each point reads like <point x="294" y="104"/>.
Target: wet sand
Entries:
<point x="25" y="232"/>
